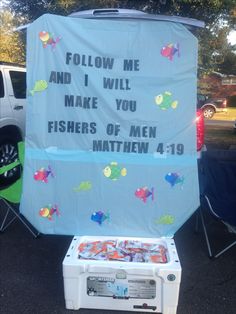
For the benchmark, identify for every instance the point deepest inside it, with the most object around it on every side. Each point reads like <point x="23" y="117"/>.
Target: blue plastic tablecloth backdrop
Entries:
<point x="110" y="128"/>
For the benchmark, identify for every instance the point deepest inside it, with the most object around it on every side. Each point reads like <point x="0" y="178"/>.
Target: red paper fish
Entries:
<point x="48" y="211"/>
<point x="143" y="193"/>
<point x="170" y="50"/>
<point x="47" y="39"/>
<point x="42" y="174"/>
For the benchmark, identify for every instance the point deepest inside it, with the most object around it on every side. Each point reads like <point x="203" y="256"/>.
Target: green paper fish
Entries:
<point x="164" y="101"/>
<point x="165" y="220"/>
<point x="39" y="86"/>
<point x="113" y="171"/>
<point x="84" y="186"/>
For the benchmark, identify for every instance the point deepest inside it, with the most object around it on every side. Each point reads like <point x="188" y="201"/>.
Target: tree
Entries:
<point x="12" y="47"/>
<point x="228" y="66"/>
<point x="208" y="10"/>
<point x="214" y="51"/>
<point x="219" y="16"/>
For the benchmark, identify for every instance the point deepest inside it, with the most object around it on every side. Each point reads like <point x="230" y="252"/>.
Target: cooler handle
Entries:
<point x="129" y="271"/>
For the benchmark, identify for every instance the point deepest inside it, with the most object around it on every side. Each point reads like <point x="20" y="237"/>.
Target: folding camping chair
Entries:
<point x="217" y="178"/>
<point x="10" y="195"/>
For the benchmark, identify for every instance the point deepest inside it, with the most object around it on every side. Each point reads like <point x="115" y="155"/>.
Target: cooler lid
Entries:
<point x="111" y="126"/>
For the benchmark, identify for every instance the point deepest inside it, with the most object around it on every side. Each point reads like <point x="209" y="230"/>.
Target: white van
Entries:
<point x="12" y="116"/>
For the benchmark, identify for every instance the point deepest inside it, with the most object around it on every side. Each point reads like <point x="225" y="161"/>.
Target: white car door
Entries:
<point x="15" y="80"/>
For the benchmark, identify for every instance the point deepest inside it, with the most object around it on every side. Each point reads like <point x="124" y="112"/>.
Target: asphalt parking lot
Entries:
<point x="31" y="273"/>
<point x="31" y="278"/>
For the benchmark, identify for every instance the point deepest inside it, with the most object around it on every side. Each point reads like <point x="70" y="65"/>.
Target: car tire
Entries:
<point x="208" y="112"/>
<point x="9" y="154"/>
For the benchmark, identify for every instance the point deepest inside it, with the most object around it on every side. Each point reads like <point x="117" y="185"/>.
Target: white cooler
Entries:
<point x="122" y="273"/>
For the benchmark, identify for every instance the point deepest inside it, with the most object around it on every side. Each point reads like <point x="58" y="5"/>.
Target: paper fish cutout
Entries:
<point x="165" y="220"/>
<point x="47" y="39"/>
<point x="84" y="186"/>
<point x="118" y="290"/>
<point x="143" y="193"/>
<point x="164" y="101"/>
<point x="174" y="178"/>
<point x="113" y="171"/>
<point x="39" y="86"/>
<point x="170" y="50"/>
<point x="100" y="217"/>
<point x="43" y="174"/>
<point x="47" y="212"/>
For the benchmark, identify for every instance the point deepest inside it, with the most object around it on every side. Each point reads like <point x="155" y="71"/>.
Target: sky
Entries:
<point x="232" y="37"/>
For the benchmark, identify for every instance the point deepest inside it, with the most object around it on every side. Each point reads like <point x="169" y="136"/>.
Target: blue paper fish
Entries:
<point x="174" y="178"/>
<point x="99" y="217"/>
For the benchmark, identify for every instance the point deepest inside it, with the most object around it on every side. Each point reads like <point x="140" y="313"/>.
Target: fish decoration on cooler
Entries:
<point x="143" y="193"/>
<point x="49" y="211"/>
<point x="100" y="217"/>
<point x="165" y="101"/>
<point x="113" y="171"/>
<point x="42" y="174"/>
<point x="118" y="290"/>
<point x="165" y="220"/>
<point x="174" y="178"/>
<point x="83" y="186"/>
<point x="47" y="39"/>
<point x="39" y="86"/>
<point x="170" y="50"/>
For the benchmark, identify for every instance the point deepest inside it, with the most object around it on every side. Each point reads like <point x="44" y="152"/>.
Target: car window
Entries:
<point x="1" y="86"/>
<point x="18" y="80"/>
<point x="201" y="97"/>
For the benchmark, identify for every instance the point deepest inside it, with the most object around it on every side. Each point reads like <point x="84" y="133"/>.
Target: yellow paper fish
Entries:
<point x="165" y="220"/>
<point x="39" y="86"/>
<point x="84" y="186"/>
